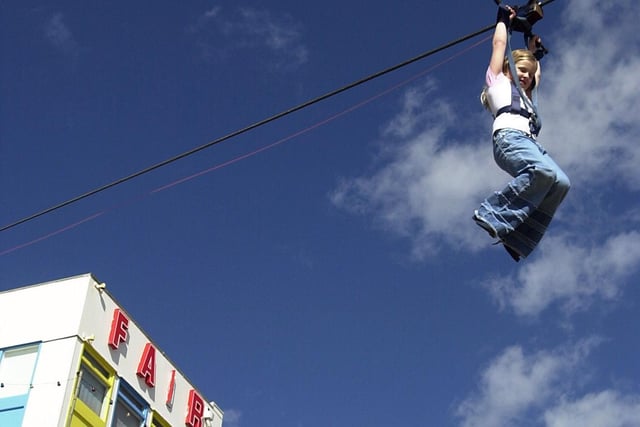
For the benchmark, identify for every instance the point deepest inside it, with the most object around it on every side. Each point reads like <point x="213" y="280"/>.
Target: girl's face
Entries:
<point x="526" y="70"/>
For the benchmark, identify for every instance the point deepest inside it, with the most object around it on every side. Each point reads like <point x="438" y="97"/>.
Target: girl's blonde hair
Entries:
<point x="521" y="55"/>
<point x="518" y="55"/>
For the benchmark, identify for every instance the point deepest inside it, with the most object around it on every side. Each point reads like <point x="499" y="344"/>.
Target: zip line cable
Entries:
<point x="254" y="125"/>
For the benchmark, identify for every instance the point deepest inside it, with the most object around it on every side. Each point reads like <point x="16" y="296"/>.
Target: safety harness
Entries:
<point x="515" y="107"/>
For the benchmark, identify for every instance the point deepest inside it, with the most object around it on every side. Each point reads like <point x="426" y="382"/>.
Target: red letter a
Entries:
<point x="147" y="365"/>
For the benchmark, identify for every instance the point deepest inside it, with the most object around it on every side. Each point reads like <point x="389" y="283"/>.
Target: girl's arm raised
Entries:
<point x="500" y="39"/>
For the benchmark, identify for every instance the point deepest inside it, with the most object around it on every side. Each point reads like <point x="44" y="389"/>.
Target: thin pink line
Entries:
<point x="62" y="230"/>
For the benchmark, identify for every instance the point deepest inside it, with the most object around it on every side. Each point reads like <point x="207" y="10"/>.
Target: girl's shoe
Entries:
<point x="485" y="224"/>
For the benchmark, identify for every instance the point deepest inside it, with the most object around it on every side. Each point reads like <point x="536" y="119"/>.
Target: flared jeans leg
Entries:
<point x="522" y="211"/>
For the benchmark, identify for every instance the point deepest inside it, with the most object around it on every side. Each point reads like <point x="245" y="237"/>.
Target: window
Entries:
<point x="17" y="366"/>
<point x="16" y="370"/>
<point x="131" y="410"/>
<point x="93" y="391"/>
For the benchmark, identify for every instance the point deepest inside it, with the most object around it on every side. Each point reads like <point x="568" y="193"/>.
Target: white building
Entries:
<point x="71" y="356"/>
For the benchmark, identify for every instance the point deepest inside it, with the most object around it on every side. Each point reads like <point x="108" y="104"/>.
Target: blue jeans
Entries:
<point x="522" y="211"/>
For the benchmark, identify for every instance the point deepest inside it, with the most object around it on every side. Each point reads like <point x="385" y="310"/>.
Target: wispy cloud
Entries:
<point x="592" y="105"/>
<point x="531" y="389"/>
<point x="60" y="36"/>
<point x="515" y="383"/>
<point x="426" y="185"/>
<point x="571" y="275"/>
<point x="279" y="37"/>
<point x="607" y="408"/>
<point x="232" y="418"/>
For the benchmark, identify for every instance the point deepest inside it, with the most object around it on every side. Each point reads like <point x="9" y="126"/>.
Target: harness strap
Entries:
<point x="507" y="109"/>
<point x="534" y="120"/>
<point x="515" y="106"/>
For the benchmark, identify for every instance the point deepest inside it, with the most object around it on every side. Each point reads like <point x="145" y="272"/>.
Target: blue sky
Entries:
<point x="324" y="270"/>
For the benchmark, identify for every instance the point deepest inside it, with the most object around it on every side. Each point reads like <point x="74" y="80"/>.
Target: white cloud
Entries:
<point x="533" y="389"/>
<point x="250" y="29"/>
<point x="232" y="418"/>
<point x="212" y="13"/>
<point x="515" y="386"/>
<point x="60" y="36"/>
<point x="605" y="409"/>
<point x="569" y="274"/>
<point x="204" y="20"/>
<point x="589" y="93"/>
<point x="427" y="185"/>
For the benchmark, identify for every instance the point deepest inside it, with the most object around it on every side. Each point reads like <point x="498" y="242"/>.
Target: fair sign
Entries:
<point x="147" y="370"/>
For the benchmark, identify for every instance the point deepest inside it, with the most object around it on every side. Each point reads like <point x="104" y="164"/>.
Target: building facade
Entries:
<point x="71" y="356"/>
